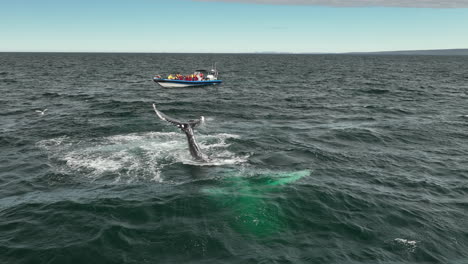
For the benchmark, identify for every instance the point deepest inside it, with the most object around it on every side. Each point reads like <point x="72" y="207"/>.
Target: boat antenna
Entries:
<point x="215" y="71"/>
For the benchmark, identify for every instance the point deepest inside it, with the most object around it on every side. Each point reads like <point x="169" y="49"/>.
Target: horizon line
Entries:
<point x="254" y="52"/>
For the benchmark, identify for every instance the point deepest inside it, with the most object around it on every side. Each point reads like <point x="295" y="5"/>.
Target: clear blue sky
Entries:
<point x="198" y="26"/>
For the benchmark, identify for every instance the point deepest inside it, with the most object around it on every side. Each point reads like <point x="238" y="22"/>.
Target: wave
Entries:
<point x="374" y="91"/>
<point x="8" y="81"/>
<point x="360" y="134"/>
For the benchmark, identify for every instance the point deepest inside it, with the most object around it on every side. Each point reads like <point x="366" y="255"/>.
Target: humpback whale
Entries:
<point x="187" y="128"/>
<point x="247" y="195"/>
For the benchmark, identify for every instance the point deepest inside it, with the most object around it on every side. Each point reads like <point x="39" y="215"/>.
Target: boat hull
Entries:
<point x="166" y="83"/>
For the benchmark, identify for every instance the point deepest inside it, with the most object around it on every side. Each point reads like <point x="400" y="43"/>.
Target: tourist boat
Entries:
<point x="202" y="78"/>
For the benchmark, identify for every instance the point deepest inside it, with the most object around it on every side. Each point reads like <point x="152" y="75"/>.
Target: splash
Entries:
<point x="132" y="157"/>
<point x="216" y="148"/>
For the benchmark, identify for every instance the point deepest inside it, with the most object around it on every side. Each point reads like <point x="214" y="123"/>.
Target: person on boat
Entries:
<point x="170" y="77"/>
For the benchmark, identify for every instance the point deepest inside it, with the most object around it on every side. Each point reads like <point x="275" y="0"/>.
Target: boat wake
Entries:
<point x="133" y="157"/>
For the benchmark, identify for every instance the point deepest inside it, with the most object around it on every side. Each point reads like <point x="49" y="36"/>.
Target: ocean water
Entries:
<point x="314" y="159"/>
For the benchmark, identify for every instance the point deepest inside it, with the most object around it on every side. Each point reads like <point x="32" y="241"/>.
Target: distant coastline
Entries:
<point x="438" y="52"/>
<point x="435" y="52"/>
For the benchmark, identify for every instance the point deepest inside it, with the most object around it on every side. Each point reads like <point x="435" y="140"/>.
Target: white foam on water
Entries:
<point x="226" y="135"/>
<point x="51" y="143"/>
<point x="133" y="157"/>
<point x="409" y="244"/>
<point x="99" y="164"/>
<point x="216" y="161"/>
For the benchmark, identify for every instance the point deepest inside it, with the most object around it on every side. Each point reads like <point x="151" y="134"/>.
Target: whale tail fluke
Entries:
<point x="187" y="128"/>
<point x="182" y="125"/>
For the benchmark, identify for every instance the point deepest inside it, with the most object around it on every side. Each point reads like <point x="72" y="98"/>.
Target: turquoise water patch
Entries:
<point x="248" y="198"/>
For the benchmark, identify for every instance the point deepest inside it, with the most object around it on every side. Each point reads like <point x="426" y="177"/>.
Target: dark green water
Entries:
<point x="315" y="159"/>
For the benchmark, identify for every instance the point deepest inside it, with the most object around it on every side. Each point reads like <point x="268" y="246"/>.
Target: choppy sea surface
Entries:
<point x="314" y="159"/>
